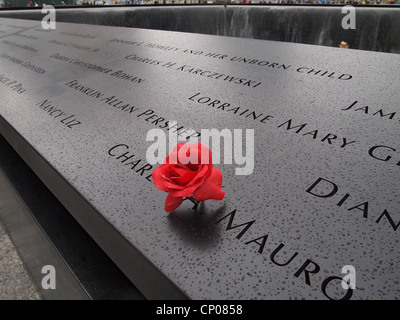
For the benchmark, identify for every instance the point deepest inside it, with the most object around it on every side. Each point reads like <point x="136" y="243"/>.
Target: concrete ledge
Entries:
<point x="44" y="233"/>
<point x="15" y="282"/>
<point x="130" y="261"/>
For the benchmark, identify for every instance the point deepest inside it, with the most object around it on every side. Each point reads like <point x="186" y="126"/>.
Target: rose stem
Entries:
<point x="196" y="203"/>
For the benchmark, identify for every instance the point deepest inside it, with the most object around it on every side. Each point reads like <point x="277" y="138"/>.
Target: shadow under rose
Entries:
<point x="198" y="227"/>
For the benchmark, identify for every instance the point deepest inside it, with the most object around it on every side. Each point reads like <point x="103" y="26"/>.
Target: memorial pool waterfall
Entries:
<point x="376" y="27"/>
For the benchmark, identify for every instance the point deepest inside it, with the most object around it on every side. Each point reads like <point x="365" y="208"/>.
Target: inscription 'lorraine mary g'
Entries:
<point x="324" y="193"/>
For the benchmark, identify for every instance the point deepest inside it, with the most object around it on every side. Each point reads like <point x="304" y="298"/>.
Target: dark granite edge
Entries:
<point x="143" y="274"/>
<point x="34" y="249"/>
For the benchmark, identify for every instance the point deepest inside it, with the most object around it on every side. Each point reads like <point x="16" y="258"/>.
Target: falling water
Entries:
<point x="377" y="28"/>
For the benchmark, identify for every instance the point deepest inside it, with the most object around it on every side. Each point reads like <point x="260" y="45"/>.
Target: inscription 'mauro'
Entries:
<point x="281" y="258"/>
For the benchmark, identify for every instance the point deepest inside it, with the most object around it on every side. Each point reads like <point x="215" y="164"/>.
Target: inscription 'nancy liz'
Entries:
<point x="68" y="120"/>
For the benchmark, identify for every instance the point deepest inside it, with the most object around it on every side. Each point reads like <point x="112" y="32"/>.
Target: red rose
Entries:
<point x="188" y="172"/>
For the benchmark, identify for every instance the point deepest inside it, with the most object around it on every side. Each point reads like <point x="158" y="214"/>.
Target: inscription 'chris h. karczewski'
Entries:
<point x="198" y="72"/>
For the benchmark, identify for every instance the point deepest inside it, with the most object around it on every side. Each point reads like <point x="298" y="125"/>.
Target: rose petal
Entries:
<point x="211" y="188"/>
<point x="199" y="179"/>
<point x="185" y="179"/>
<point x="201" y="175"/>
<point x="179" y="172"/>
<point x="172" y="186"/>
<point x="197" y="153"/>
<point x="162" y="180"/>
<point x="189" y="155"/>
<point x="171" y="203"/>
<point x="186" y="192"/>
